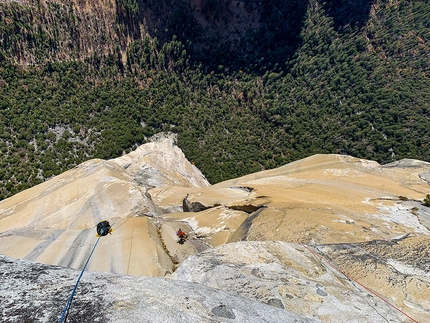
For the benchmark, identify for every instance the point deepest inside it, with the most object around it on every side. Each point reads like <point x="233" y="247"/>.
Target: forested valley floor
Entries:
<point x="343" y="81"/>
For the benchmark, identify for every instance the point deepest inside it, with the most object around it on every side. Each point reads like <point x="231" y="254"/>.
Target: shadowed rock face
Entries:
<point x="350" y="210"/>
<point x="32" y="292"/>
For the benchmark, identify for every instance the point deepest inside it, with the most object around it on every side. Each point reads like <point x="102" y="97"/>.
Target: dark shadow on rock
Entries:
<point x="229" y="35"/>
<point x="224" y="311"/>
<point x="242" y="231"/>
<point x="353" y="13"/>
<point x="182" y="241"/>
<point x="188" y="206"/>
<point x="245" y="208"/>
<point x="276" y="303"/>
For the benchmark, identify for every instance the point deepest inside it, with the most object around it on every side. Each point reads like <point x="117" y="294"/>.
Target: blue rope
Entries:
<point x="69" y="302"/>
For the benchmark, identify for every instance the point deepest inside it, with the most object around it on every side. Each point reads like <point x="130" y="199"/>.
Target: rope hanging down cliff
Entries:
<point x="103" y="228"/>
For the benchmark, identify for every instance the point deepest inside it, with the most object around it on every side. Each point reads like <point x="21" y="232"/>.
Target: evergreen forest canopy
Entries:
<point x="246" y="85"/>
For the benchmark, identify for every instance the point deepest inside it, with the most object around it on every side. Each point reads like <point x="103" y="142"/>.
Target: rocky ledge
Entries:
<point x="34" y="292"/>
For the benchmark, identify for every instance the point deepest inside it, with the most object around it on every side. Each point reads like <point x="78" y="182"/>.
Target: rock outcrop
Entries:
<point x="33" y="292"/>
<point x="54" y="222"/>
<point x="287" y="276"/>
<point x="368" y="220"/>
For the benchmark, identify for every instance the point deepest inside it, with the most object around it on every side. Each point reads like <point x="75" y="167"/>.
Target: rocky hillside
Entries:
<point x="35" y="32"/>
<point x="39" y="31"/>
<point x="330" y="238"/>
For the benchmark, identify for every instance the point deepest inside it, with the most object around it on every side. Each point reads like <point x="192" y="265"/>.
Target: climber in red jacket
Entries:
<point x="181" y="234"/>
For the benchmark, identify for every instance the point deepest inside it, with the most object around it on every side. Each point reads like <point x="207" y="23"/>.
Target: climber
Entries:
<point x="181" y="235"/>
<point x="103" y="228"/>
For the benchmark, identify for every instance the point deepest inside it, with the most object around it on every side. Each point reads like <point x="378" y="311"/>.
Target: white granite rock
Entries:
<point x="33" y="292"/>
<point x="286" y="276"/>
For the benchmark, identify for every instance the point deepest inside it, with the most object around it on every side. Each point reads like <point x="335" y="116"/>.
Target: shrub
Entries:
<point x="427" y="200"/>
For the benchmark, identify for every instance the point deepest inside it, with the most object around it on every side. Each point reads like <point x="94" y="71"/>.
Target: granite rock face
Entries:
<point x="286" y="276"/>
<point x="161" y="163"/>
<point x="368" y="219"/>
<point x="398" y="269"/>
<point x="54" y="222"/>
<point x="33" y="292"/>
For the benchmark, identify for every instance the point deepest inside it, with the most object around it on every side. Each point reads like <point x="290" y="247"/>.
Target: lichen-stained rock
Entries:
<point x="398" y="269"/>
<point x="286" y="276"/>
<point x="161" y="163"/>
<point x="33" y="292"/>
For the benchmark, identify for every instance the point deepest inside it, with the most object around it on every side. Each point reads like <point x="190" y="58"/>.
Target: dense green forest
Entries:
<point x="345" y="77"/>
